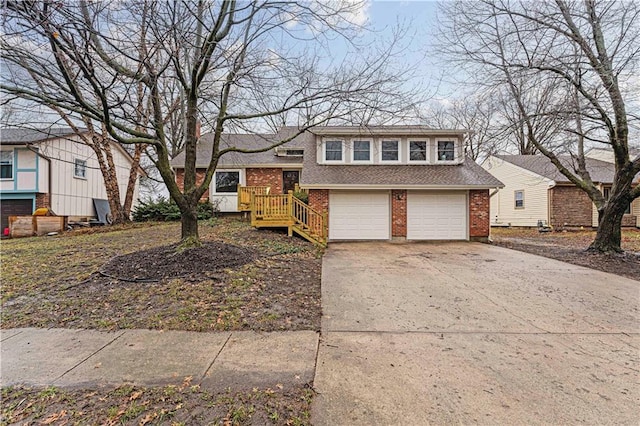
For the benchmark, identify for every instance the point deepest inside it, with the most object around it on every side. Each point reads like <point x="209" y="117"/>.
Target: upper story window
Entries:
<point x="80" y="168"/>
<point x="390" y="151"/>
<point x="519" y="199"/>
<point x="418" y="151"/>
<point x="6" y="164"/>
<point x="446" y="150"/>
<point x="333" y="151"/>
<point x="227" y="181"/>
<point x="361" y="151"/>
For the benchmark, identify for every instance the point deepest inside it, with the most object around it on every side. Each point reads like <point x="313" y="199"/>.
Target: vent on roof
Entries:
<point x="289" y="152"/>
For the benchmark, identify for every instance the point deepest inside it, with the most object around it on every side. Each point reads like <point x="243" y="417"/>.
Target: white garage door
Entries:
<point x="359" y="216"/>
<point x="437" y="216"/>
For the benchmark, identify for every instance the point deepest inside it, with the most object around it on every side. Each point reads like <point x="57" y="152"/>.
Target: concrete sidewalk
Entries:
<point x="216" y="361"/>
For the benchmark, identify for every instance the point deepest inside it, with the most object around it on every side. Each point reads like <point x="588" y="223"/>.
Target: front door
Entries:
<point x="290" y="179"/>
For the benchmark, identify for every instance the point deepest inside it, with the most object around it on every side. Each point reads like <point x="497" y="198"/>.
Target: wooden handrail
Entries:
<point x="311" y="220"/>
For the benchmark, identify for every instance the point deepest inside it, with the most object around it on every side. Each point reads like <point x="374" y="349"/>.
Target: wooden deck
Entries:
<point x="283" y="211"/>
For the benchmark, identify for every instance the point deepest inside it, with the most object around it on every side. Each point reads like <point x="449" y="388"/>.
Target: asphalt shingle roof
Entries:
<point x="21" y="136"/>
<point x="467" y="174"/>
<point x="600" y="171"/>
<point x="246" y="141"/>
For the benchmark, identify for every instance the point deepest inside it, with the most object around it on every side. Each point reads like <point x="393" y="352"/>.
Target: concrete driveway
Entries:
<point x="421" y="333"/>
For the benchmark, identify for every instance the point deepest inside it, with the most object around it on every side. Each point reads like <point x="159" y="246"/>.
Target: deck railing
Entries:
<point x="244" y="195"/>
<point x="309" y="220"/>
<point x="284" y="210"/>
<point x="270" y="207"/>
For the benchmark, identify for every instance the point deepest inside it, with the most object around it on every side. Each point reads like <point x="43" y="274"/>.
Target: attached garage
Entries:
<point x="15" y="208"/>
<point x="437" y="215"/>
<point x="359" y="215"/>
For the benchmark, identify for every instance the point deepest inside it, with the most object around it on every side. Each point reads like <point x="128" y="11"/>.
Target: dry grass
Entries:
<point x="54" y="282"/>
<point x="573" y="239"/>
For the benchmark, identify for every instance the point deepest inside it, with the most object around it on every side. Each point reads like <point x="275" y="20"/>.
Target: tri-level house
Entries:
<point x="53" y="168"/>
<point x="363" y="183"/>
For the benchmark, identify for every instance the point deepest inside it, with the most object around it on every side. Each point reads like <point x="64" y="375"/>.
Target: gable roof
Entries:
<point x="314" y="175"/>
<point x="204" y="148"/>
<point x="600" y="171"/>
<point x="18" y="136"/>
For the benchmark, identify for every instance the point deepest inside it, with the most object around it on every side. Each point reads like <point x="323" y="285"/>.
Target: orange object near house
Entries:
<point x="42" y="211"/>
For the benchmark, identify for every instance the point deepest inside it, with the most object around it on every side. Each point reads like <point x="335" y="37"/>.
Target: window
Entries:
<point x="333" y="151"/>
<point x="361" y="151"/>
<point x="390" y="150"/>
<point x="519" y="197"/>
<point x="6" y="164"/>
<point x="606" y="192"/>
<point x="80" y="168"/>
<point x="417" y="151"/>
<point x="227" y="181"/>
<point x="446" y="150"/>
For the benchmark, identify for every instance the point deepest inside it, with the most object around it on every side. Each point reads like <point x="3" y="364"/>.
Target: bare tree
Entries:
<point x="226" y="64"/>
<point x="577" y="59"/>
<point x="476" y="112"/>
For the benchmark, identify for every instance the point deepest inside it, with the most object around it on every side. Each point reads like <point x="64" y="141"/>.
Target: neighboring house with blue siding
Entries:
<point x="53" y="168"/>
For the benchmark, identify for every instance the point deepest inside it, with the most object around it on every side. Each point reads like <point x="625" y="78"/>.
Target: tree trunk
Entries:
<point x="609" y="236"/>
<point x="189" y="221"/>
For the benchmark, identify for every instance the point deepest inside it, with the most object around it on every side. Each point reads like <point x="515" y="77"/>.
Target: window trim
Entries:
<point x="605" y="193"/>
<point x="399" y="145"/>
<point x="353" y="151"/>
<point x="84" y="168"/>
<point x="455" y="150"/>
<point x="426" y="151"/>
<point x="13" y="168"/>
<point x="324" y="151"/>
<point x="215" y="181"/>
<point x="515" y="199"/>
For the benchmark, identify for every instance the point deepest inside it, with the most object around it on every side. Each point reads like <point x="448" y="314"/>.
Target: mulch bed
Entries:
<point x="169" y="262"/>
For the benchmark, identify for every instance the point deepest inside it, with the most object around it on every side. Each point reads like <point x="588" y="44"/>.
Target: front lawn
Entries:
<point x="132" y="277"/>
<point x="241" y="279"/>
<point x="570" y="247"/>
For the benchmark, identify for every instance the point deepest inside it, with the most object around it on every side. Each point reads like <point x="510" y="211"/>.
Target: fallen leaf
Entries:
<point x="54" y="417"/>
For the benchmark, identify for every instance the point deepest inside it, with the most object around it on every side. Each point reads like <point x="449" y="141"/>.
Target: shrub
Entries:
<point x="302" y="196"/>
<point x="167" y="210"/>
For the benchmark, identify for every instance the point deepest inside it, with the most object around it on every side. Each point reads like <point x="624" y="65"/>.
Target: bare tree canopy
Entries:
<point x="231" y="65"/>
<point x="569" y="71"/>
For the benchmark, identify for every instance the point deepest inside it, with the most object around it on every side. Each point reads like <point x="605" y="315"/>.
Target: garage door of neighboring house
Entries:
<point x="359" y="216"/>
<point x="436" y="216"/>
<point x="14" y="208"/>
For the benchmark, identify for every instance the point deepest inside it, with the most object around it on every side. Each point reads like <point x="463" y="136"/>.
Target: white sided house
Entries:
<point x="53" y="168"/>
<point x="534" y="190"/>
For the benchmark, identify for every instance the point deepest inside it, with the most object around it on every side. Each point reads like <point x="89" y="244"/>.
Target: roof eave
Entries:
<point x="399" y="186"/>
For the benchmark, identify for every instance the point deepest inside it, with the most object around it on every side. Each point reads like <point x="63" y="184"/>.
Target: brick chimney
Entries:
<point x="198" y="126"/>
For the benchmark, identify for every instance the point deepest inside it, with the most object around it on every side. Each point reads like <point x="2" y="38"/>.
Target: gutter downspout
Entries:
<point x="49" y="172"/>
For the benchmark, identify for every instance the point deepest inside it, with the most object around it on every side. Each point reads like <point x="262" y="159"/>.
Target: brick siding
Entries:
<point x="479" y="214"/>
<point x="570" y="206"/>
<point x="319" y="201"/>
<point x="199" y="179"/>
<point x="271" y="177"/>
<point x="398" y="213"/>
<point x="43" y="200"/>
<point x="629" y="220"/>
